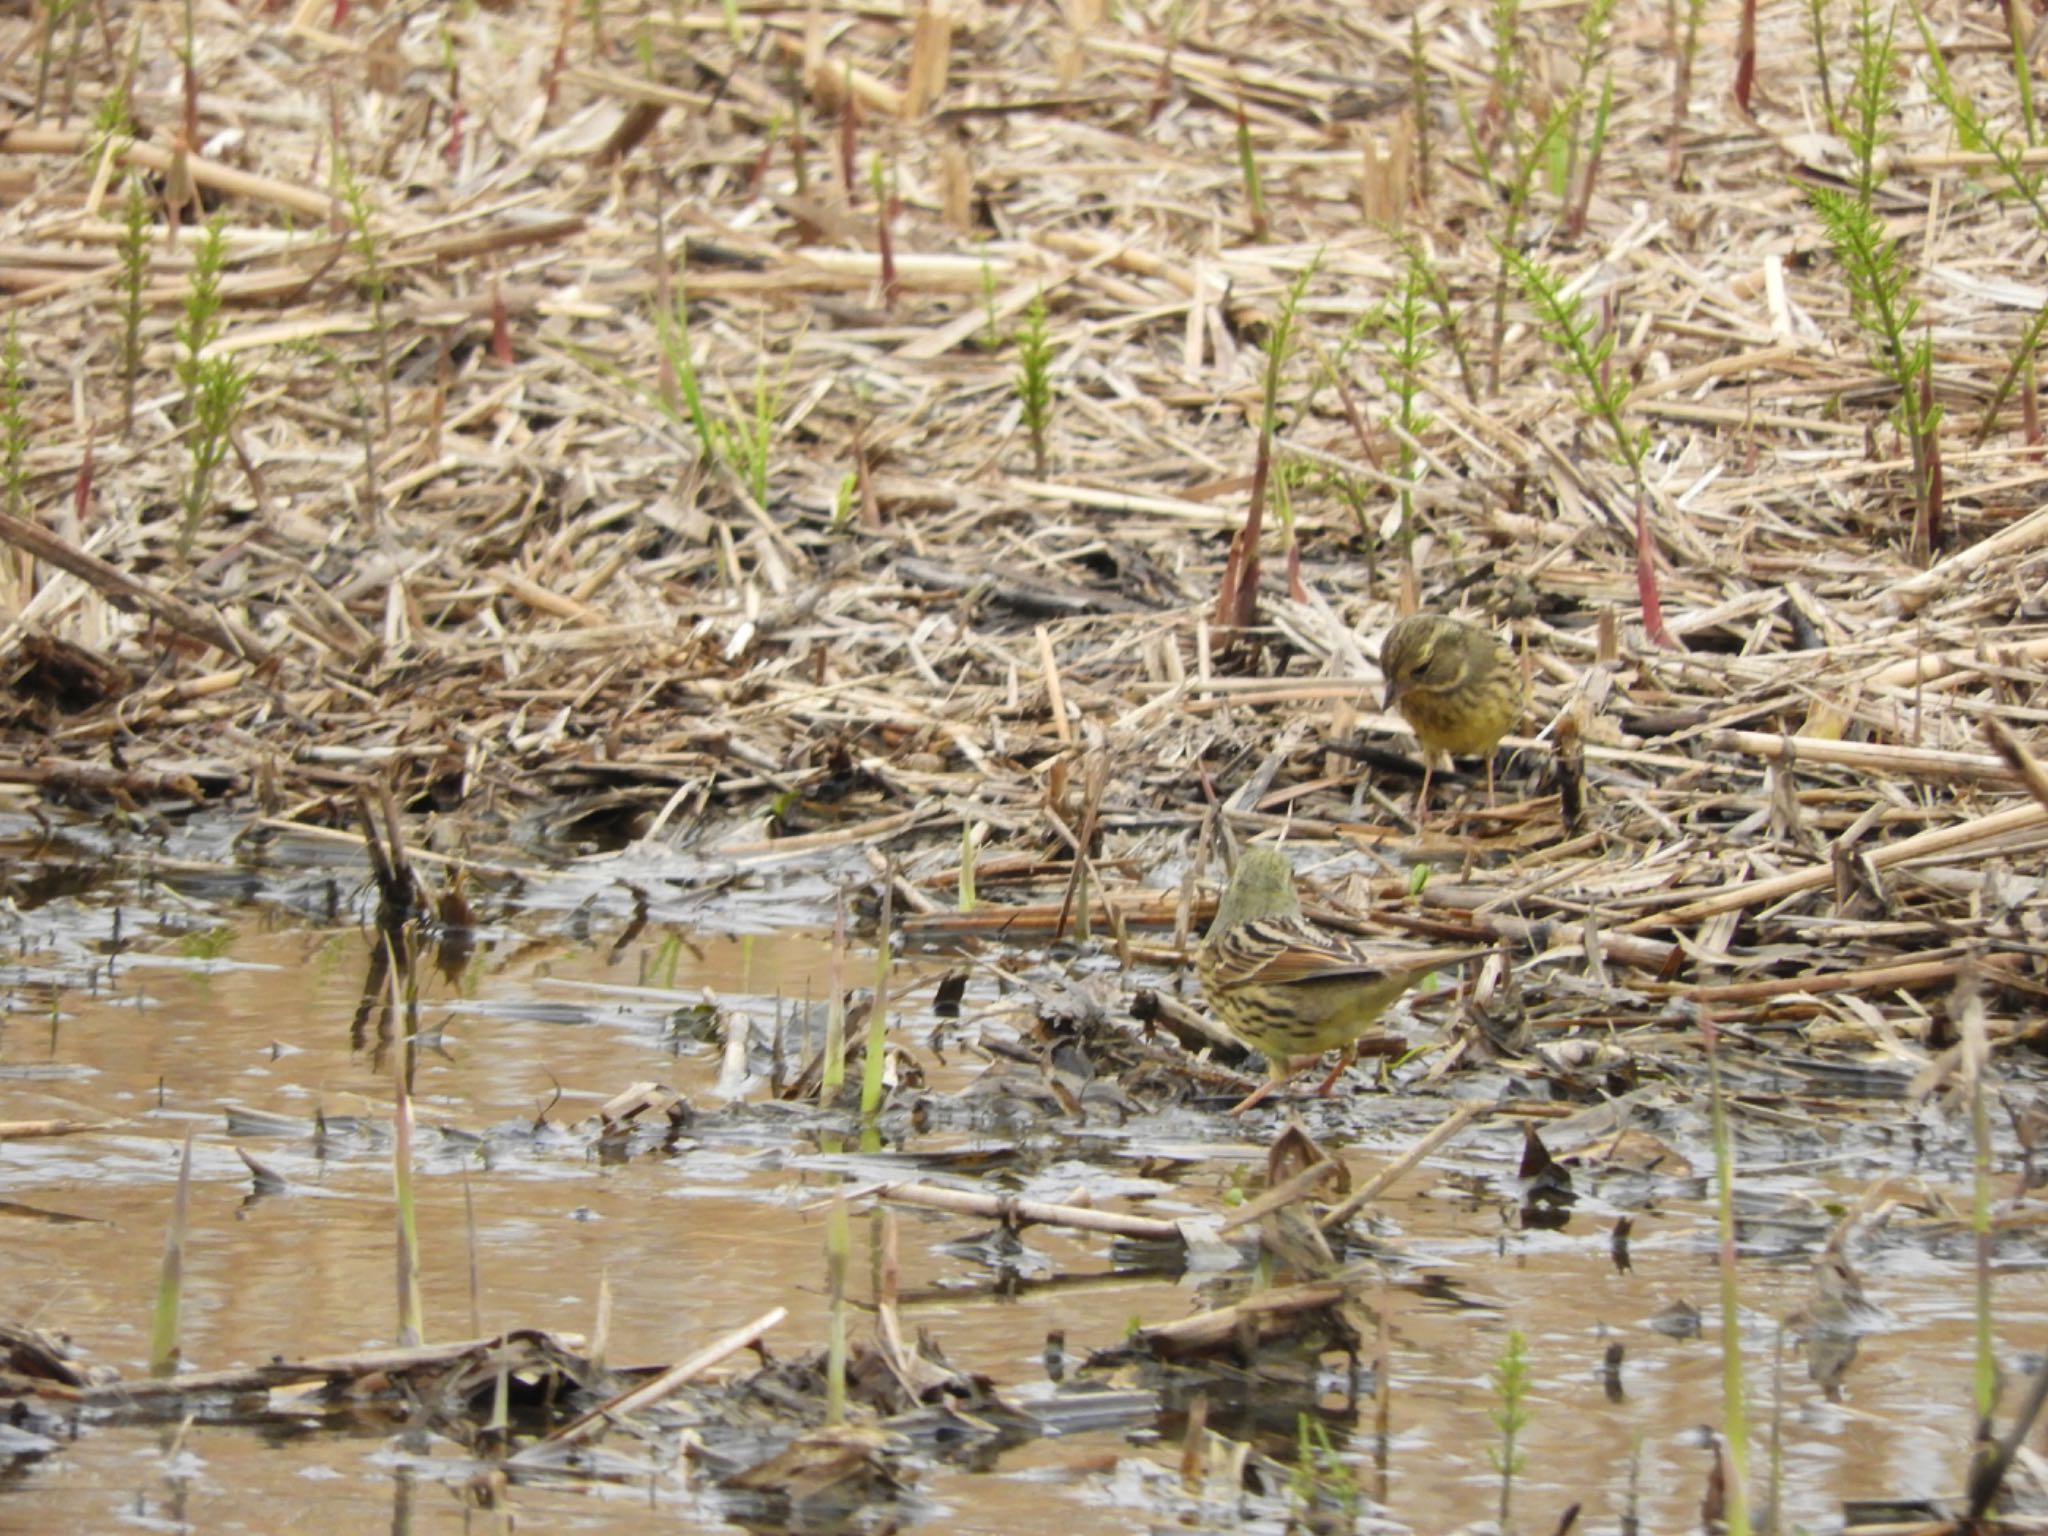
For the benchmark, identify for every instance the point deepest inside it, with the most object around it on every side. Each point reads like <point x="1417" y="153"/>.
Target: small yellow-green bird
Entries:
<point x="1287" y="988"/>
<point x="1455" y="686"/>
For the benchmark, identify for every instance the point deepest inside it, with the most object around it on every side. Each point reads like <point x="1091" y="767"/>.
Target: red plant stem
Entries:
<point x="1745" y="54"/>
<point x="849" y="122"/>
<point x="501" y="326"/>
<point x="81" y="490"/>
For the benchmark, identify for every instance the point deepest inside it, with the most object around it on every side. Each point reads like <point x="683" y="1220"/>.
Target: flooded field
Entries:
<point x="154" y="1006"/>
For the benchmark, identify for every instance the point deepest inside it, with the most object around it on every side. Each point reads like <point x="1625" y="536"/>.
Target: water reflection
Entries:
<point x="570" y="1128"/>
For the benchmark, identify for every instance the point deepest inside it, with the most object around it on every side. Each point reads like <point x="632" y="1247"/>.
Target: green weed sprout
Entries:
<point x="14" y="429"/>
<point x="1586" y="348"/>
<point x="357" y="201"/>
<point x="1508" y="183"/>
<point x="1511" y="185"/>
<point x="1687" y="49"/>
<point x="743" y="441"/>
<point x="1510" y="1415"/>
<point x="1320" y="1474"/>
<point x="1595" y="25"/>
<point x="1254" y="188"/>
<point x="1280" y="342"/>
<point x="750" y="435"/>
<point x="132" y="250"/>
<point x="2016" y="180"/>
<point x="1418" y="104"/>
<point x="993" y="335"/>
<point x="1879" y="298"/>
<point x="201" y="321"/>
<point x="1596" y="143"/>
<point x="215" y="383"/>
<point x="113" y="125"/>
<point x="1448" y="331"/>
<point x="1817" y="33"/>
<point x="164" y="1348"/>
<point x="1411" y="324"/>
<point x="207" y="943"/>
<point x="1034" y="378"/>
<point x="55" y="14"/>
<point x="216" y="406"/>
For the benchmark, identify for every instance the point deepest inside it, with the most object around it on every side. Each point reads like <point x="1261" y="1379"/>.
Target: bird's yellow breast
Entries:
<point x="1468" y="718"/>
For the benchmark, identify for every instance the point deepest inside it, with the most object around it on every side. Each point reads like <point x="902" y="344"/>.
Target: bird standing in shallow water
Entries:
<point x="1285" y="987"/>
<point x="1455" y="686"/>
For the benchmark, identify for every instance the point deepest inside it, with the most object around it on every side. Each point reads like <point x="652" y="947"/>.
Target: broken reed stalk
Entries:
<point x="601" y="1327"/>
<point x="1017" y="1213"/>
<point x="476" y="1272"/>
<point x="2022" y="761"/>
<point x="411" y="1312"/>
<point x="832" y="1074"/>
<point x="400" y="896"/>
<point x="1774" y="1445"/>
<point x="1988" y="1476"/>
<point x="838" y="1248"/>
<point x="594" y="1423"/>
<point x="971" y="833"/>
<point x="1734" y="1413"/>
<point x="499" y="1423"/>
<point x="878" y="1015"/>
<point x="1966" y="1008"/>
<point x="164" y="1325"/>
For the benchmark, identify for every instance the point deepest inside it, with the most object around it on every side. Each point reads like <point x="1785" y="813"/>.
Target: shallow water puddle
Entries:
<point x="264" y="1013"/>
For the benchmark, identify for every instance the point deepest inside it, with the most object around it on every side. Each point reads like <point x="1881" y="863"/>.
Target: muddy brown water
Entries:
<point x="139" y="1022"/>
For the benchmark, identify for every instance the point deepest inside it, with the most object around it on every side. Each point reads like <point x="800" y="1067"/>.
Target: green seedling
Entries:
<point x="2010" y="176"/>
<point x="1595" y="28"/>
<point x="1034" y="379"/>
<point x="1254" y="188"/>
<point x="1510" y="1415"/>
<point x="14" y="427"/>
<point x="1321" y="1477"/>
<point x="132" y="250"/>
<point x="1411" y="330"/>
<point x="164" y="1334"/>
<point x="743" y="441"/>
<point x="1585" y="348"/>
<point x="1880" y="285"/>
<point x="362" y="225"/>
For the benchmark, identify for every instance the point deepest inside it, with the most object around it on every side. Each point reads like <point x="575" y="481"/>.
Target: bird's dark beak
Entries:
<point x="1393" y="693"/>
